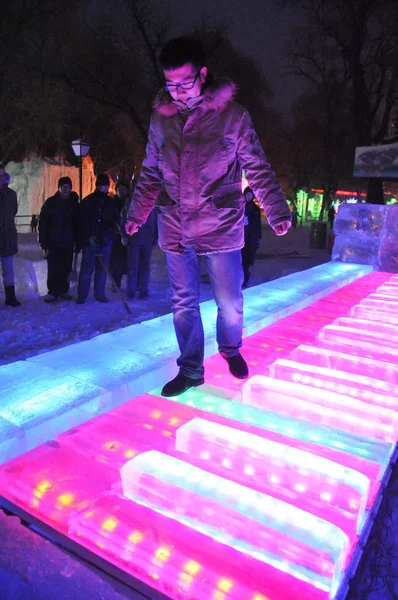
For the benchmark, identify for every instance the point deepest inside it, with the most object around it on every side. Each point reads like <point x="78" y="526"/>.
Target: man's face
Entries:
<point x="187" y="74"/>
<point x="65" y="190"/>
<point x="122" y="192"/>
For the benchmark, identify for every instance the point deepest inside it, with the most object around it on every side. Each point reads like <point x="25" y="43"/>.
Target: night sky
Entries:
<point x="258" y="28"/>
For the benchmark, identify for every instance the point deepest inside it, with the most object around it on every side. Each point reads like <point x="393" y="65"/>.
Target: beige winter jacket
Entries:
<point x="193" y="171"/>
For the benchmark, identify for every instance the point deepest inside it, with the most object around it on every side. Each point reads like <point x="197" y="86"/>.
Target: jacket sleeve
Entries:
<point x="43" y="224"/>
<point x="150" y="180"/>
<point x="259" y="174"/>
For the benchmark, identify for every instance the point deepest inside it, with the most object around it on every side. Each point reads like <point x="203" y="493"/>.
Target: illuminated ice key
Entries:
<point x="373" y="313"/>
<point x="365" y="343"/>
<point x="321" y="406"/>
<point x="376" y="327"/>
<point x="344" y="361"/>
<point x="317" y="485"/>
<point x="380" y="303"/>
<point x="361" y="387"/>
<point x="324" y="440"/>
<point x="389" y="290"/>
<point x="374" y="336"/>
<point x="383" y="296"/>
<point x="253" y="523"/>
<point x="176" y="559"/>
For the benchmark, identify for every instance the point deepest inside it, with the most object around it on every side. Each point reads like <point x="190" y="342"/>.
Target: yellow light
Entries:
<point x="109" y="524"/>
<point x="218" y="376"/>
<point x="192" y="567"/>
<point x="88" y="514"/>
<point x="260" y="597"/>
<point x="219" y="595"/>
<point x="162" y="554"/>
<point x="130" y="453"/>
<point x="34" y="502"/>
<point x="100" y="545"/>
<point x="353" y="504"/>
<point x="135" y="537"/>
<point x="66" y="499"/>
<point x="112" y="446"/>
<point x="224" y="584"/>
<point x="174" y="421"/>
<point x="156" y="414"/>
<point x="41" y="489"/>
<point x="186" y="579"/>
<point x="167" y="433"/>
<point x="148" y="426"/>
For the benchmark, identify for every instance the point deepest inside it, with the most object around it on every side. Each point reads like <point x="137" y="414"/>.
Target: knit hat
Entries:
<point x="102" y="179"/>
<point x="64" y="181"/>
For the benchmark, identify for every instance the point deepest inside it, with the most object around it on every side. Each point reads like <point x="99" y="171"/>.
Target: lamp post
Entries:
<point x="80" y="148"/>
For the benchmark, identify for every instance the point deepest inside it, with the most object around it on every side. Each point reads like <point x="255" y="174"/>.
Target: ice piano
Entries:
<point x="257" y="490"/>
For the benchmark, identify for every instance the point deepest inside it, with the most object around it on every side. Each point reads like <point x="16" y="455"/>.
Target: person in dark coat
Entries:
<point x="331" y="215"/>
<point x="8" y="237"/>
<point x="58" y="228"/>
<point x="99" y="218"/>
<point x="118" y="260"/>
<point x="139" y="254"/>
<point x="252" y="234"/>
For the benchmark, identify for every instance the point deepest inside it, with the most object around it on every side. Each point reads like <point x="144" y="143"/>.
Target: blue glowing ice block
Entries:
<point x="275" y="532"/>
<point x="45" y="402"/>
<point x="361" y="387"/>
<point x="343" y="360"/>
<point x="321" y="406"/>
<point x="12" y="440"/>
<point x="312" y="483"/>
<point x="372" y="450"/>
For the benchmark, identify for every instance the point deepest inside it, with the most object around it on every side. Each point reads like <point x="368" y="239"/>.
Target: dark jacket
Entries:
<point x="193" y="171"/>
<point x="252" y="221"/>
<point x="147" y="233"/>
<point x="58" y="223"/>
<point x="99" y="219"/>
<point x="8" y="231"/>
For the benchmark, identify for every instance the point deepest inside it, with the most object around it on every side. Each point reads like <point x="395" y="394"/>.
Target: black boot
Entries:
<point x="10" y="296"/>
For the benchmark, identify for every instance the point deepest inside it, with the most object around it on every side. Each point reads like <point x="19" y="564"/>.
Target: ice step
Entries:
<point x="314" y="484"/>
<point x="374" y="313"/>
<point x="321" y="406"/>
<point x="360" y="387"/>
<point x="273" y="531"/>
<point x="367" y="325"/>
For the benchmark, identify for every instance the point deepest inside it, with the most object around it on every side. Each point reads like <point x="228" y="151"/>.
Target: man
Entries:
<point x="199" y="142"/>
<point x="8" y="237"/>
<point x="253" y="234"/>
<point x="99" y="216"/>
<point x="118" y="259"/>
<point x="58" y="225"/>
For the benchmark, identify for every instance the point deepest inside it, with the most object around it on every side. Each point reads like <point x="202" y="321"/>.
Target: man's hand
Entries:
<point x="282" y="228"/>
<point x="131" y="228"/>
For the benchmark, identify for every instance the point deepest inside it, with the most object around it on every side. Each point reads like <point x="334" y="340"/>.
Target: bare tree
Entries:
<point x="363" y="39"/>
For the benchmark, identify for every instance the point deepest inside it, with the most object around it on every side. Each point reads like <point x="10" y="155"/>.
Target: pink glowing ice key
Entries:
<point x="321" y="406"/>
<point x="374" y="313"/>
<point x="274" y="532"/>
<point x="342" y="360"/>
<point x="317" y="485"/>
<point x="359" y="387"/>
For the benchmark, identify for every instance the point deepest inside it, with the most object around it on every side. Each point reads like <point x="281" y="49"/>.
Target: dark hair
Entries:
<point x="180" y="51"/>
<point x="64" y="181"/>
<point x="102" y="179"/>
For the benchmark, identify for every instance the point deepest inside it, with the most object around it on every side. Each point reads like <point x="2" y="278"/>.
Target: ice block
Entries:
<point x="273" y="531"/>
<point x="360" y="342"/>
<point x="317" y="485"/>
<point x="361" y="387"/>
<point x="321" y="406"/>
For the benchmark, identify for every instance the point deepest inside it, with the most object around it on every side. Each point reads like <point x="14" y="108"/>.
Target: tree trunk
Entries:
<point x="375" y="191"/>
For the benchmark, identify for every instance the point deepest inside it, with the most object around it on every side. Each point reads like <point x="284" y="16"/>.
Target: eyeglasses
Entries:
<point x="188" y="85"/>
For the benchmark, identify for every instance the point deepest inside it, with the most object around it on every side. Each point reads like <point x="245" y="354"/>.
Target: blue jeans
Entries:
<point x="138" y="266"/>
<point x="226" y="277"/>
<point x="7" y="268"/>
<point x="91" y="262"/>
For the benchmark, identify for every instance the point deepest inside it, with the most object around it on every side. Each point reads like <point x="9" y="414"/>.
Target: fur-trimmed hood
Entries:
<point x="218" y="95"/>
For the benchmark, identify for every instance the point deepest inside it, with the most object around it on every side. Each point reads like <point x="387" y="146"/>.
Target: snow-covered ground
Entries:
<point x="37" y="327"/>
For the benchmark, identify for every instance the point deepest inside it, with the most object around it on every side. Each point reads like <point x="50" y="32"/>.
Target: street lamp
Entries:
<point x="80" y="148"/>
